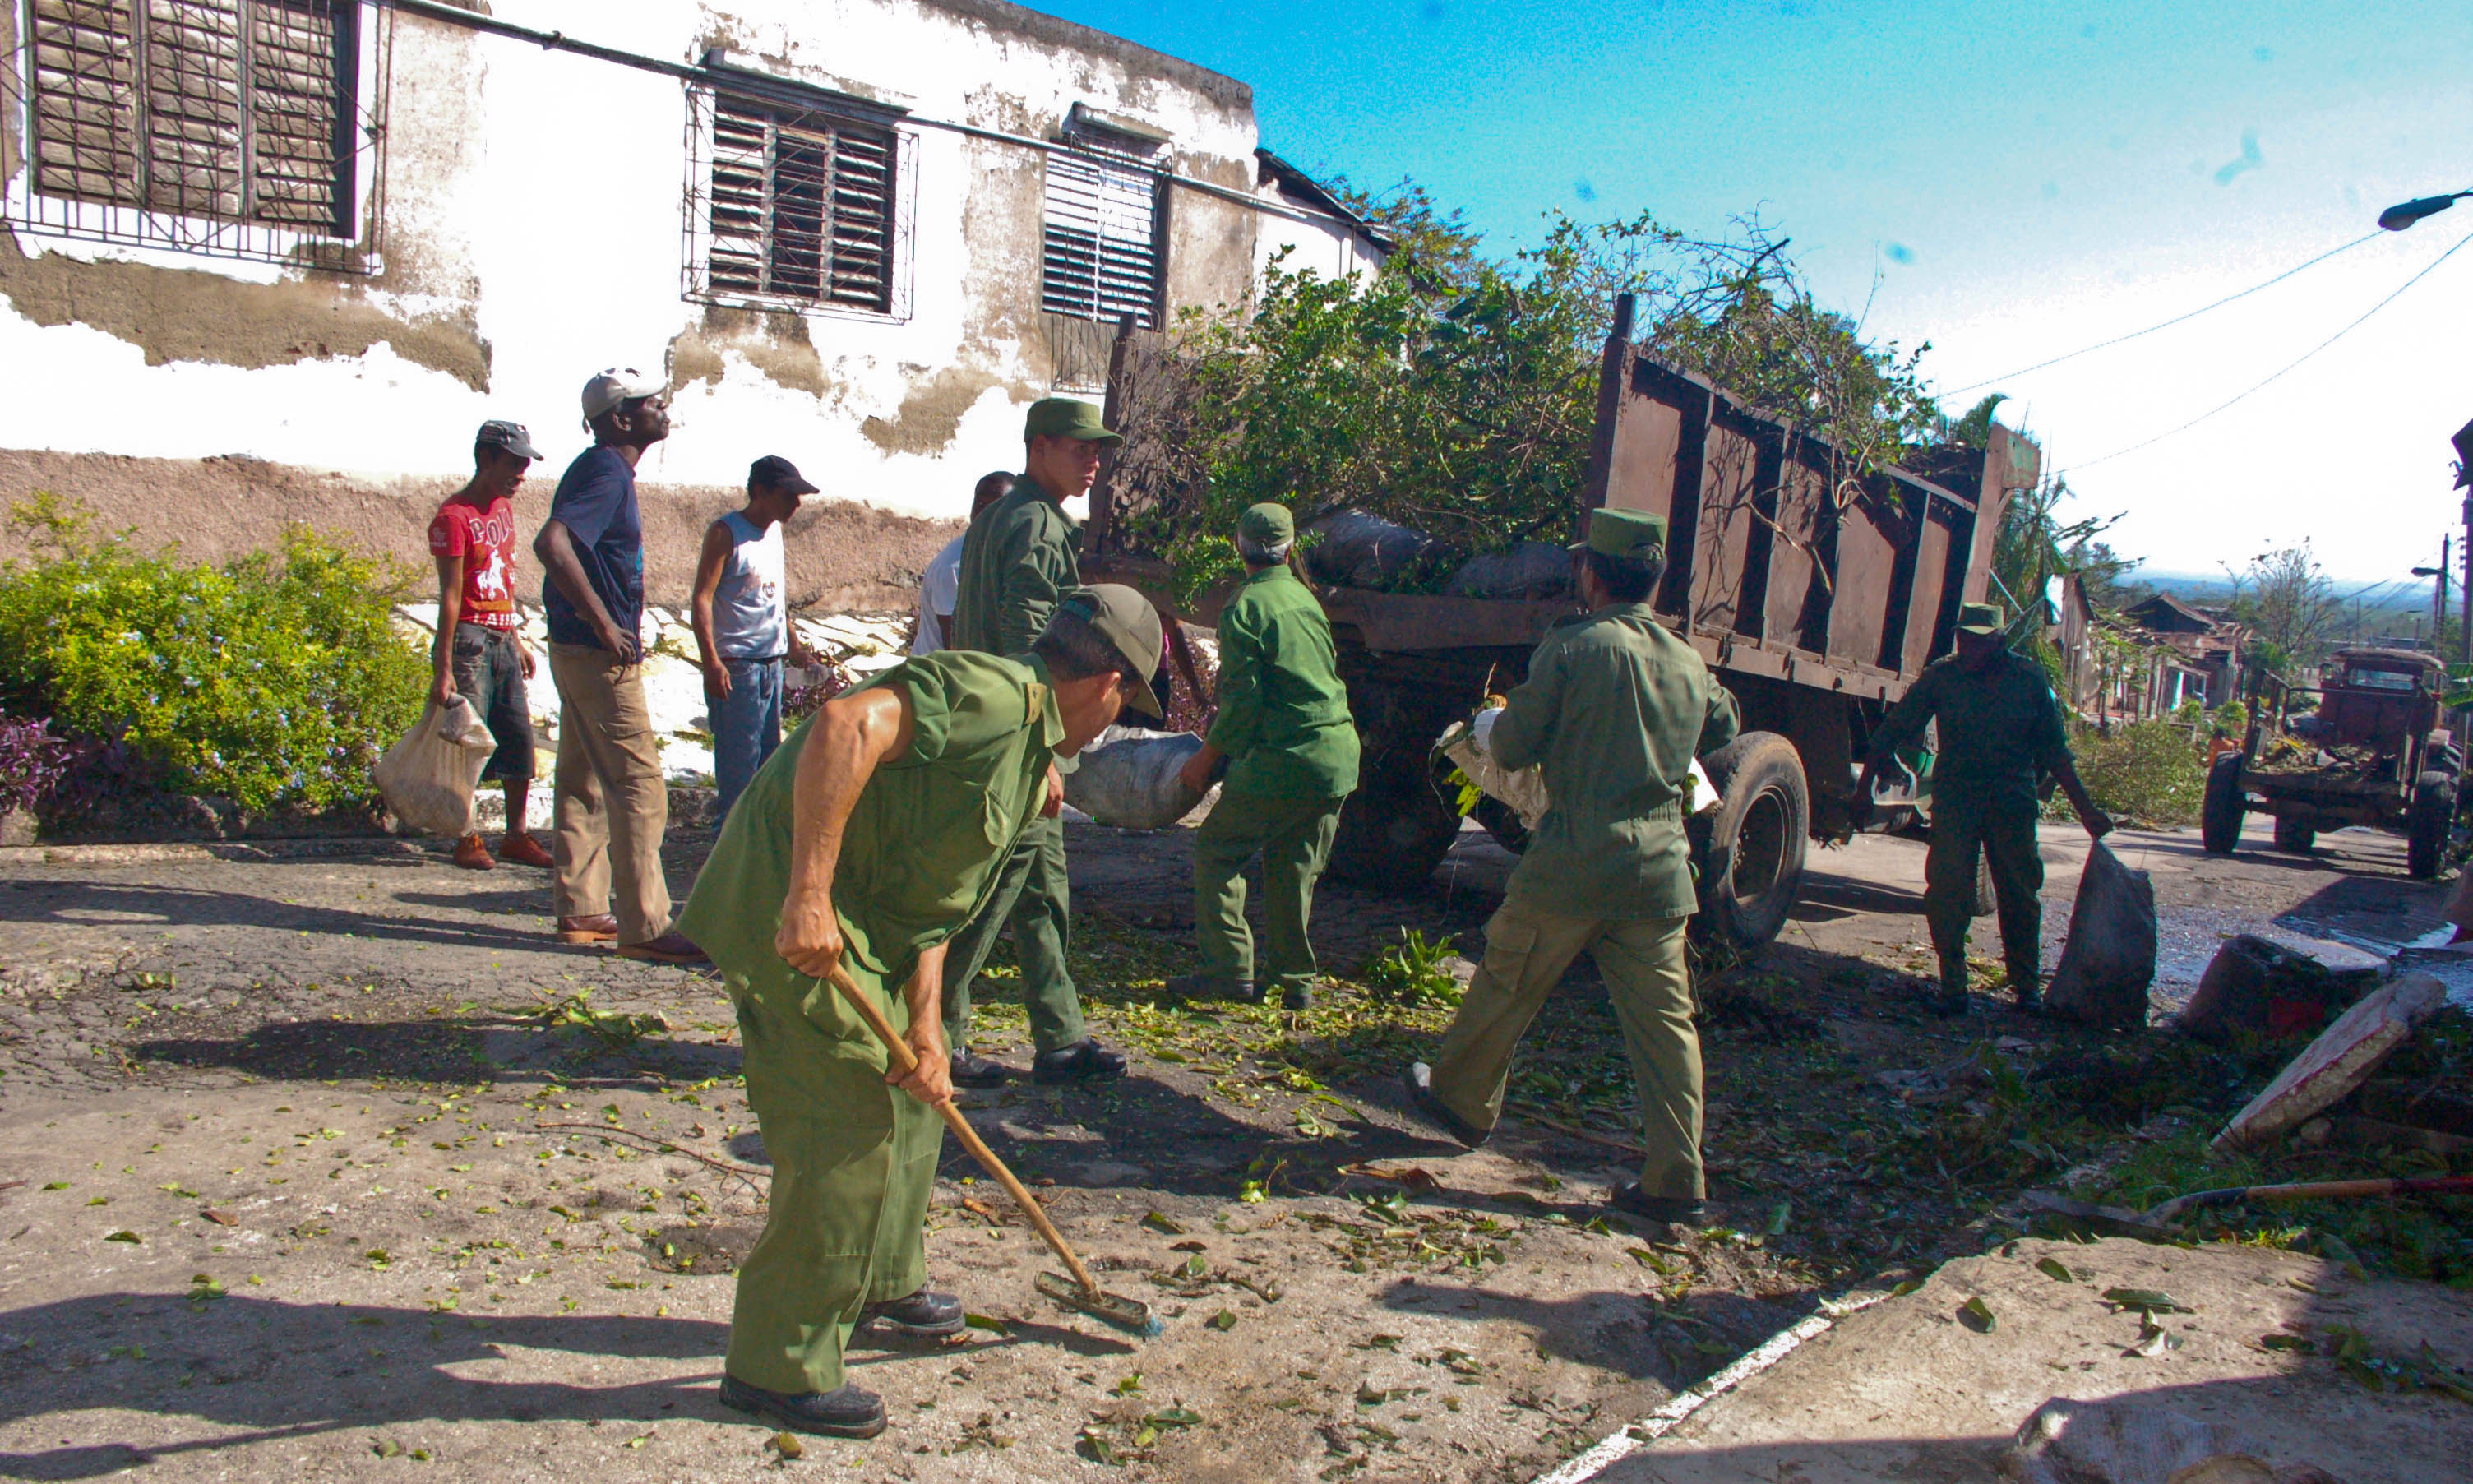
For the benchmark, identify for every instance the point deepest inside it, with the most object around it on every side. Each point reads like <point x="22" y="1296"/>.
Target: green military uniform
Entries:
<point x="1614" y="708"/>
<point x="1018" y="559"/>
<point x="854" y="1160"/>
<point x="2000" y="732"/>
<point x="1284" y="723"/>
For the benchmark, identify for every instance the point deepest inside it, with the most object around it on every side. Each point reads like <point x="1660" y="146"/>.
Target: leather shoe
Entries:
<point x="473" y="855"/>
<point x="1419" y="1079"/>
<point x="922" y="1316"/>
<point x="671" y="948"/>
<point x="1297" y="997"/>
<point x="1084" y="1061"/>
<point x="1677" y="1211"/>
<point x="522" y="849"/>
<point x="594" y="927"/>
<point x="1213" y="987"/>
<point x="847" y="1413"/>
<point x="978" y="1071"/>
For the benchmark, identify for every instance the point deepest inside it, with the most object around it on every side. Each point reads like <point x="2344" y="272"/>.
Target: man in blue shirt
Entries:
<point x="613" y="804"/>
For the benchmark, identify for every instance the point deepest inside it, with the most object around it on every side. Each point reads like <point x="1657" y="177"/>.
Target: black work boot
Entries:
<point x="1228" y="986"/>
<point x="978" y="1071"/>
<point x="1679" y="1211"/>
<point x="2028" y="986"/>
<point x="1419" y="1080"/>
<point x="1084" y="1061"/>
<point x="922" y="1316"/>
<point x="1295" y="996"/>
<point x="1951" y="1001"/>
<point x="845" y="1413"/>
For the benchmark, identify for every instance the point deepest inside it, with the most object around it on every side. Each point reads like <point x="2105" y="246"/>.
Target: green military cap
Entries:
<point x="1984" y="618"/>
<point x="1625" y="533"/>
<point x="1133" y="626"/>
<point x="1266" y="525"/>
<point x="1065" y="416"/>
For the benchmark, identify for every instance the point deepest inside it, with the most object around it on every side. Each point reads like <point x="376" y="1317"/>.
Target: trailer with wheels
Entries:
<point x="1816" y="589"/>
<point x="2372" y="752"/>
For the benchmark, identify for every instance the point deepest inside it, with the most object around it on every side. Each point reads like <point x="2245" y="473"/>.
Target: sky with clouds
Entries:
<point x="2008" y="181"/>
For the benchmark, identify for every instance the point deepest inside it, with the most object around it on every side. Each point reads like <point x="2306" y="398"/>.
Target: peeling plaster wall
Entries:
<point x="533" y="234"/>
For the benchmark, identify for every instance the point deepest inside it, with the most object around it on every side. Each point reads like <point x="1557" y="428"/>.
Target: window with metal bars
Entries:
<point x="1100" y="258"/>
<point x="227" y="110"/>
<point x="800" y="206"/>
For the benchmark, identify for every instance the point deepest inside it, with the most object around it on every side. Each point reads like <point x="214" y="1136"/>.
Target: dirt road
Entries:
<point x="316" y="1164"/>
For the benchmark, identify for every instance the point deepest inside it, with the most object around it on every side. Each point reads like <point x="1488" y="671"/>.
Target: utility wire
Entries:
<point x="2305" y="355"/>
<point x="2167" y="325"/>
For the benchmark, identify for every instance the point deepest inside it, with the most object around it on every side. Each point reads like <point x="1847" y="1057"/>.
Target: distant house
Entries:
<point x="2207" y="647"/>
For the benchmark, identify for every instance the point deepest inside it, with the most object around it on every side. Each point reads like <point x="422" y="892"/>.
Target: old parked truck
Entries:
<point x="2372" y="752"/>
<point x="1815" y="590"/>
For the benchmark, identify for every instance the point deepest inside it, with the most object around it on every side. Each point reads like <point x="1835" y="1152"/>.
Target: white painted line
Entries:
<point x="1621" y="1444"/>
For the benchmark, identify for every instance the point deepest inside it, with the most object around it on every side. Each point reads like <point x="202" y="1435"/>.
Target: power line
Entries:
<point x="2166" y="325"/>
<point x="2277" y="374"/>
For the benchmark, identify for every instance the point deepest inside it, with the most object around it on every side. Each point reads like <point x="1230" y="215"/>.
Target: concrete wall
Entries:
<point x="531" y="232"/>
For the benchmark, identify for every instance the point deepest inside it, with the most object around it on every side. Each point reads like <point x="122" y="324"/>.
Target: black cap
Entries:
<point x="776" y="473"/>
<point x="500" y="433"/>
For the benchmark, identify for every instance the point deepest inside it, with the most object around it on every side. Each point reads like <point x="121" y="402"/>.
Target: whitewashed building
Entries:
<point x="274" y="260"/>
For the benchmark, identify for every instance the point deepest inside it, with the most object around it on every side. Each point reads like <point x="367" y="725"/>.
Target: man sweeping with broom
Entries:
<point x="861" y="846"/>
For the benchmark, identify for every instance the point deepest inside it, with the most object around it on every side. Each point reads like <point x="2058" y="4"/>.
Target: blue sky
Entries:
<point x="2008" y="181"/>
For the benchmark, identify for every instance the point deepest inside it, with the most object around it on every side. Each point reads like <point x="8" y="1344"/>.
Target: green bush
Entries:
<point x="2143" y="771"/>
<point x="272" y="680"/>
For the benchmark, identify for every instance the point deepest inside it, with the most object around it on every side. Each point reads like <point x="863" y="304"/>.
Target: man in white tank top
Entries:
<point x="941" y="586"/>
<point x="742" y="624"/>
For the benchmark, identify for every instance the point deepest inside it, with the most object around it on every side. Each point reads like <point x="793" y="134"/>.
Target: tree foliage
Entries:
<point x="1456" y="395"/>
<point x="2290" y="605"/>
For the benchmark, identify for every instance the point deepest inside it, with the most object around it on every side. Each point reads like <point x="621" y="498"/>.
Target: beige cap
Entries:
<point x="616" y="385"/>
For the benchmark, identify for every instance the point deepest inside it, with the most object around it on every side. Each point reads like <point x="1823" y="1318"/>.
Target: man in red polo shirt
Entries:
<point x="480" y="653"/>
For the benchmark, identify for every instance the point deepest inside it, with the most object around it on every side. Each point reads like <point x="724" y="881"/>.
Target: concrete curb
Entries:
<point x="1618" y="1445"/>
<point x="206" y="851"/>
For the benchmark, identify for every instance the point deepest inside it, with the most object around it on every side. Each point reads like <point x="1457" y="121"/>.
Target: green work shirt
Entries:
<point x="919" y="854"/>
<point x="1282" y="712"/>
<point x="1999" y="728"/>
<point x="1614" y="707"/>
<point x="1018" y="559"/>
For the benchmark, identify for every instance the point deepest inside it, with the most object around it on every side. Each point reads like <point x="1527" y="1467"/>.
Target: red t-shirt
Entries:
<point x="486" y="541"/>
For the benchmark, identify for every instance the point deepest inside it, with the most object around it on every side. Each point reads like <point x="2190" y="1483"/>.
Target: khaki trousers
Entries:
<point x="611" y="802"/>
<point x="2003" y="833"/>
<point x="1649" y="981"/>
<point x="1034" y="897"/>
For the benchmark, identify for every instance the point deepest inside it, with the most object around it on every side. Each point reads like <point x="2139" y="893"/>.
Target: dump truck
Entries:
<point x="2372" y="750"/>
<point x="1816" y="589"/>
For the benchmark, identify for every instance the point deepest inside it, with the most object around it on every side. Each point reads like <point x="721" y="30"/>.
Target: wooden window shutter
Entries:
<point x="237" y="110"/>
<point x="1101" y="257"/>
<point x="802" y="205"/>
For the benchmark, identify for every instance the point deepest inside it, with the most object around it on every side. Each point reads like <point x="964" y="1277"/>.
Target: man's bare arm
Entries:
<point x="851" y="737"/>
<point x="707" y="583"/>
<point x="2097" y="823"/>
<point x="556" y="550"/>
<point x="931" y="1081"/>
<point x="450" y="613"/>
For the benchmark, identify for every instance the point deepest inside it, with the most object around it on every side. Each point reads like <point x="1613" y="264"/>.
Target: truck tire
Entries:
<point x="2427" y="825"/>
<point x="1395" y="829"/>
<point x="2220" y="817"/>
<point x="1749" y="850"/>
<point x="2296" y="836"/>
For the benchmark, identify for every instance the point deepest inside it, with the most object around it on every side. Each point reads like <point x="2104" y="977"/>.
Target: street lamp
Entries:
<point x="2397" y="218"/>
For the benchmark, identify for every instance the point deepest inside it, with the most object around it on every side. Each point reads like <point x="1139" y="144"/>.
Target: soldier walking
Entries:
<point x="2000" y="731"/>
<point x="1614" y="708"/>
<point x="1018" y="563"/>
<point x="1284" y="719"/>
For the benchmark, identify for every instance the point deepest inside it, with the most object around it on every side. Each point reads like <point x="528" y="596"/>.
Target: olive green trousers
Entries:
<point x="1035" y="899"/>
<point x="2003" y="831"/>
<point x="1293" y="837"/>
<point x="853" y="1164"/>
<point x="1648" y="980"/>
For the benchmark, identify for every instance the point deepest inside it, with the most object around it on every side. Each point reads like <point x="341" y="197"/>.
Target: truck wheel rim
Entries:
<point x="1759" y="847"/>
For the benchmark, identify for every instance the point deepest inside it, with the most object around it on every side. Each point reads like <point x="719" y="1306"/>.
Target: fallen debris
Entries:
<point x="2339" y="1060"/>
<point x="2258" y="985"/>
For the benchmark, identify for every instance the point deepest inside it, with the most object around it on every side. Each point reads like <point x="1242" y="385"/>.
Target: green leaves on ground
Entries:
<point x="1976" y="1315"/>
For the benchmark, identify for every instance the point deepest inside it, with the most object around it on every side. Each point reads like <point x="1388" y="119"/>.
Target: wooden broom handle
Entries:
<point x="903" y="1060"/>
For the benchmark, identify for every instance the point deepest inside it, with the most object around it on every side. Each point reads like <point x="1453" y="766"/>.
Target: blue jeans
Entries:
<point x="746" y="725"/>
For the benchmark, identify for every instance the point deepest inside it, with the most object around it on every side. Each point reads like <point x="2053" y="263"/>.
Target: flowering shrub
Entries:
<point x="33" y="764"/>
<point x="270" y="680"/>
